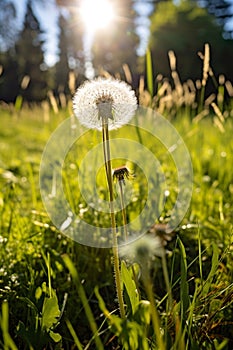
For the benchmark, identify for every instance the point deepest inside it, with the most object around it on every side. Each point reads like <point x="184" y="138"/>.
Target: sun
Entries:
<point x="96" y="14"/>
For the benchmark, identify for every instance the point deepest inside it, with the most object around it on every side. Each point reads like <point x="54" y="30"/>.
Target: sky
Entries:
<point x="48" y="15"/>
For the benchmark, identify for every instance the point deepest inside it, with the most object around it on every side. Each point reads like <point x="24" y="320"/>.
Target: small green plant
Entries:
<point x="43" y="323"/>
<point x="41" y="330"/>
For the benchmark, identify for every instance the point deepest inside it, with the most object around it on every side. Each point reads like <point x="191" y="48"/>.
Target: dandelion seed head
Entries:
<point x="142" y="250"/>
<point x="108" y="99"/>
<point x="121" y="173"/>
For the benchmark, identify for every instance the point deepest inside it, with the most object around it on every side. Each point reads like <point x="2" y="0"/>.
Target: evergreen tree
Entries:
<point x="185" y="28"/>
<point x="62" y="66"/>
<point x="30" y="57"/>
<point x="9" y="86"/>
<point x="71" y="36"/>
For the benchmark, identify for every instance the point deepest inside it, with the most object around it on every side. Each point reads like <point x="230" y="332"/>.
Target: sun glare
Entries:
<point x="96" y="14"/>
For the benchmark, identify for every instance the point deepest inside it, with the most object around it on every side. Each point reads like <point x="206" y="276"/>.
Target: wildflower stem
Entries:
<point x="123" y="210"/>
<point x="105" y="154"/>
<point x="108" y="169"/>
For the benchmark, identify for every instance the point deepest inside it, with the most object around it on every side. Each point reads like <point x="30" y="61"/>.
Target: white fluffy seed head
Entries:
<point x="142" y="250"/>
<point x="104" y="98"/>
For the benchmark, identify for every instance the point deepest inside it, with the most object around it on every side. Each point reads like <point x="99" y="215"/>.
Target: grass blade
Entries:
<point x="4" y="323"/>
<point x="74" y="335"/>
<point x="74" y="273"/>
<point x="184" y="288"/>
<point x="149" y="72"/>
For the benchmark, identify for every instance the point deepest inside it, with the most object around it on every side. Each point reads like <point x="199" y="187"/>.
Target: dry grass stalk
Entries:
<point x="218" y="124"/>
<point x="144" y="96"/>
<point x="178" y="85"/>
<point x="62" y="99"/>
<point x="127" y="72"/>
<point x="105" y="74"/>
<point x="71" y="82"/>
<point x="206" y="64"/>
<point x="172" y="60"/>
<point x="164" y="89"/>
<point x="25" y="82"/>
<point x="221" y="79"/>
<point x="229" y="88"/>
<point x="198" y="84"/>
<point x="189" y="96"/>
<point x="210" y="71"/>
<point x="191" y="86"/>
<point x="218" y="112"/>
<point x="201" y="115"/>
<point x="53" y="101"/>
<point x="210" y="99"/>
<point x="46" y="109"/>
<point x="141" y="86"/>
<point x="166" y="102"/>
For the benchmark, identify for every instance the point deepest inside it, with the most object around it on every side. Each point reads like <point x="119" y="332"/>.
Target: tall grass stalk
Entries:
<point x="81" y="292"/>
<point x="166" y="279"/>
<point x="184" y="286"/>
<point x="206" y="66"/>
<point x="74" y="335"/>
<point x="154" y="312"/>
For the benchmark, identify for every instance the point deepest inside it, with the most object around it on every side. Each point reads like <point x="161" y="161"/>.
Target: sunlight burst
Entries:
<point x="96" y="14"/>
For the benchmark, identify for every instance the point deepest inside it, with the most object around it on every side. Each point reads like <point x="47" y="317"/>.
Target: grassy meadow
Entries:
<point x="58" y="294"/>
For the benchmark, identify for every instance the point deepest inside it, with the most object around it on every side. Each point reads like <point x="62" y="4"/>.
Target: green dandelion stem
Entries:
<point x="104" y="150"/>
<point x="123" y="209"/>
<point x="108" y="168"/>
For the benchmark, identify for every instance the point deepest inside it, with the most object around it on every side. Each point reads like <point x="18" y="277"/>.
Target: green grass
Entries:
<point x="56" y="293"/>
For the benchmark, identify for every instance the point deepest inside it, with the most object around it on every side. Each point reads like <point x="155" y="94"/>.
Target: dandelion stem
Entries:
<point x="104" y="150"/>
<point x="108" y="168"/>
<point x="123" y="210"/>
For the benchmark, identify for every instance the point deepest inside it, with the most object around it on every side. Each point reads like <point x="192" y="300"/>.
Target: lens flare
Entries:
<point x="96" y="14"/>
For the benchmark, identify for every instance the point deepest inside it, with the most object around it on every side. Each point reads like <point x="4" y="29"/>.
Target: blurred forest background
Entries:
<point x="182" y="26"/>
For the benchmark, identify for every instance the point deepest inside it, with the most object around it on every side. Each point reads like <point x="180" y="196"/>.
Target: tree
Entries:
<point x="62" y="66"/>
<point x="9" y="85"/>
<point x="117" y="45"/>
<point x="30" y="57"/>
<point x="71" y="37"/>
<point x="221" y="9"/>
<point x="184" y="29"/>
